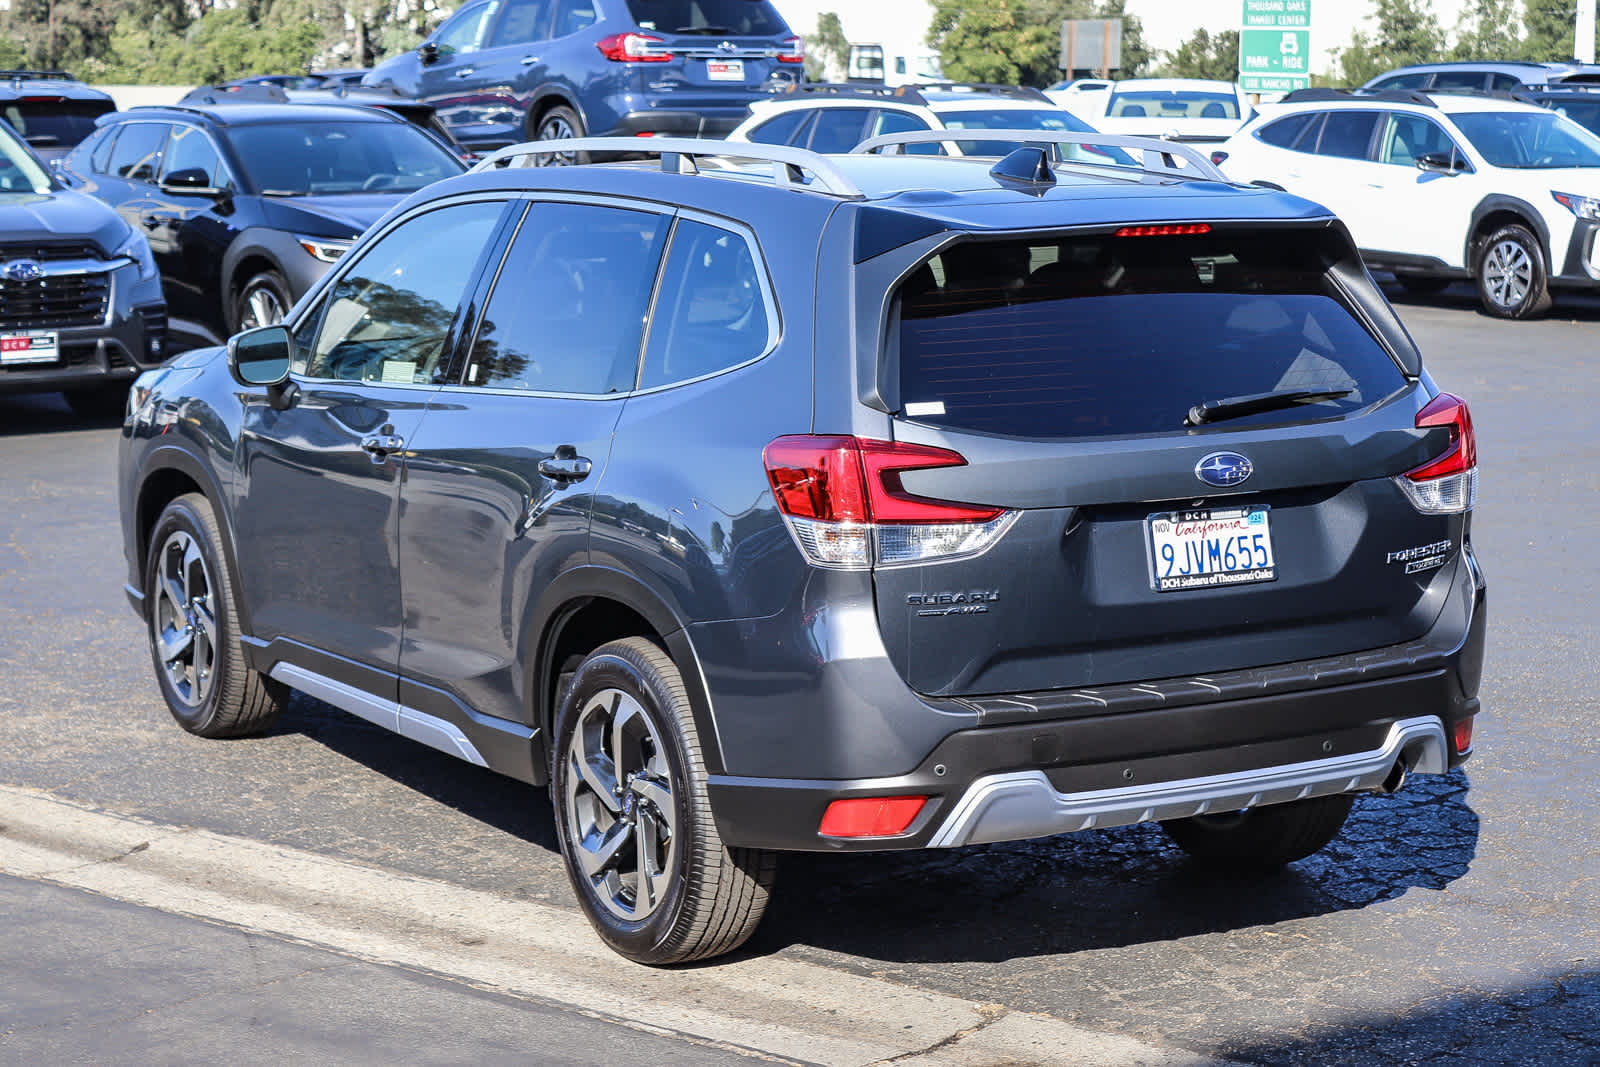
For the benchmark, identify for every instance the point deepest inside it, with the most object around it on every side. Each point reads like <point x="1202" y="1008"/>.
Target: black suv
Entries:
<point x="51" y="109"/>
<point x="246" y="205"/>
<point x="832" y="503"/>
<point x="80" y="301"/>
<point x="501" y="72"/>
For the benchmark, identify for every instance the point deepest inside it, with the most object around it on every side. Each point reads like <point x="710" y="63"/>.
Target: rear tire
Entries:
<point x="194" y="630"/>
<point x="1510" y="275"/>
<point x="560" y="123"/>
<point x="628" y="784"/>
<point x="1262" y="839"/>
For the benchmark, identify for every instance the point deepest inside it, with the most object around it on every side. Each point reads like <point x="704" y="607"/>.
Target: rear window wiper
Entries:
<point x="706" y="30"/>
<point x="1236" y="407"/>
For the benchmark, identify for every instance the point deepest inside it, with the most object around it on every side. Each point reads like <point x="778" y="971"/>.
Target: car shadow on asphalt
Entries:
<point x="1569" y="306"/>
<point x="37" y="413"/>
<point x="1106" y="888"/>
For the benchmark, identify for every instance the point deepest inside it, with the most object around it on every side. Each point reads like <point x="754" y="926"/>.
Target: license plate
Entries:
<point x="35" y="346"/>
<point x="1212" y="547"/>
<point x="725" y="70"/>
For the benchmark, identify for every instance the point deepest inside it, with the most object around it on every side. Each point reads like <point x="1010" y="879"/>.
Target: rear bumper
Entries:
<point x="710" y="123"/>
<point x="1063" y="761"/>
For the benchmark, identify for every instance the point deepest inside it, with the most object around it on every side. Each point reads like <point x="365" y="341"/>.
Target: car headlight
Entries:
<point x="325" y="249"/>
<point x="137" y="249"/>
<point x="1585" y="207"/>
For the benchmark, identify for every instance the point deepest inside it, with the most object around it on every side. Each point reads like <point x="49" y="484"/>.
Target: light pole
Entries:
<point x="1583" y="35"/>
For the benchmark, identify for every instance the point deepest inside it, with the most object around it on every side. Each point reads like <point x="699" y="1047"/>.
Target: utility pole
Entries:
<point x="1583" y="36"/>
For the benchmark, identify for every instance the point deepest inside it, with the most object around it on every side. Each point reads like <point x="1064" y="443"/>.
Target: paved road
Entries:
<point x="1458" y="922"/>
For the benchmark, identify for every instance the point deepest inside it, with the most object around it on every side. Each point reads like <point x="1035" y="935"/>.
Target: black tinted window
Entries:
<point x="780" y="129"/>
<point x="838" y="129"/>
<point x="1285" y="131"/>
<point x="137" y="154"/>
<point x="735" y="18"/>
<point x="1404" y="81"/>
<point x="567" y="313"/>
<point x="1099" y="336"/>
<point x="711" y="313"/>
<point x="54" y="123"/>
<point x="388" y="316"/>
<point x="1458" y="79"/>
<point x="1347" y="134"/>
<point x="341" y="157"/>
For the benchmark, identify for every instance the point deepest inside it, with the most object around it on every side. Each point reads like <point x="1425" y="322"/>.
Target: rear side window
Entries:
<point x="838" y="129"/>
<point x="1404" y="81"/>
<point x="137" y="155"/>
<point x="781" y="129"/>
<point x="711" y="313"/>
<point x="1458" y="79"/>
<point x="1347" y="134"/>
<point x="1285" y="131"/>
<point x="1099" y="335"/>
<point x="732" y="18"/>
<point x="521" y="22"/>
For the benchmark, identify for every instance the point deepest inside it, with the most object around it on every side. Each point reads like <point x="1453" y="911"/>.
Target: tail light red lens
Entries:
<point x="794" y="51"/>
<point x="633" y="48"/>
<point x="1166" y="229"/>
<point x="870" y="816"/>
<point x="1463" y="736"/>
<point x="1218" y="158"/>
<point x="1447" y="485"/>
<point x="817" y="477"/>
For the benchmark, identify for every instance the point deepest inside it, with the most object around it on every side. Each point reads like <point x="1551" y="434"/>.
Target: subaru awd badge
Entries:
<point x="1224" y="469"/>
<point x="22" y="270"/>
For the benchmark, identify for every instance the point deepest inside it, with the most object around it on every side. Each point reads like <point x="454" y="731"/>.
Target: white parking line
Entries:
<point x="785" y="1009"/>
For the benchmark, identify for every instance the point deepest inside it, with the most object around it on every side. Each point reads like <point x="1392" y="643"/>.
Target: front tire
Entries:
<point x="1262" y="839"/>
<point x="560" y="123"/>
<point x="194" y="630"/>
<point x="1510" y="274"/>
<point x="263" y="300"/>
<point x="628" y="786"/>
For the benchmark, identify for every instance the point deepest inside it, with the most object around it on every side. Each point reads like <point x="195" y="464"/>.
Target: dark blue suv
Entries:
<point x="832" y="503"/>
<point x="504" y="71"/>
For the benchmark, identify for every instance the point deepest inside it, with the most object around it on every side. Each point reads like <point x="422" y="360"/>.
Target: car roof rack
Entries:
<point x="1166" y="158"/>
<point x="678" y="156"/>
<point x="1390" y="96"/>
<point x="1016" y="92"/>
<point x="905" y="94"/>
<point x="37" y="75"/>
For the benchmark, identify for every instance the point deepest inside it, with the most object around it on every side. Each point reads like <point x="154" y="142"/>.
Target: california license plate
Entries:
<point x="1211" y="547"/>
<point x="34" y="346"/>
<point x="725" y="70"/>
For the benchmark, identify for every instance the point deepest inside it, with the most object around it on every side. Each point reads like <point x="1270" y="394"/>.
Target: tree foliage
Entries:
<point x="1018" y="42"/>
<point x="827" y="50"/>
<point x="1403" y="32"/>
<point x="1206" y="56"/>
<point x="1548" y="27"/>
<point x="1488" y="29"/>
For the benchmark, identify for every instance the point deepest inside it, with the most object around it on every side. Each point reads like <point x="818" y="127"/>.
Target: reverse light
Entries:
<point x="844" y="503"/>
<point x="1585" y="207"/>
<point x="325" y="249"/>
<point x="633" y="48"/>
<point x="1447" y="485"/>
<point x="793" y="50"/>
<point x="870" y="816"/>
<point x="1166" y="229"/>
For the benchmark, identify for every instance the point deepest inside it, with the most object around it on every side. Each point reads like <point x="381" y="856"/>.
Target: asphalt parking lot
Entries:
<point x="1455" y="922"/>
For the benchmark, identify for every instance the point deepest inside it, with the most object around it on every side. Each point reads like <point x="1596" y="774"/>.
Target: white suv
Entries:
<point x="1440" y="187"/>
<point x="833" y="119"/>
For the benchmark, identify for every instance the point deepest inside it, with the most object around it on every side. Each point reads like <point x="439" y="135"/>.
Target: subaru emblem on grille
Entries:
<point x="727" y="46"/>
<point x="22" y="270"/>
<point x="1223" y="469"/>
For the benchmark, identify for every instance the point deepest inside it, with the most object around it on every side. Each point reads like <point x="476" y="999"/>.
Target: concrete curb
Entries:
<point x="781" y="1009"/>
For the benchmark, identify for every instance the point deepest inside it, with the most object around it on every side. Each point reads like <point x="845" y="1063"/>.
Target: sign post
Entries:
<point x="1275" y="46"/>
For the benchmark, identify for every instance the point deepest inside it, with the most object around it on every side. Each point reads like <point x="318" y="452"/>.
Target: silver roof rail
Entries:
<point x="1159" y="157"/>
<point x="678" y="155"/>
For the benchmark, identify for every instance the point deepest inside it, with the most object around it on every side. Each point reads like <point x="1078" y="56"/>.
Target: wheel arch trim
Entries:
<point x="1498" y="203"/>
<point x="174" y="458"/>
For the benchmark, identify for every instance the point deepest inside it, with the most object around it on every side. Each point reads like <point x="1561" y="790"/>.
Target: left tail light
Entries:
<point x="1447" y="485"/>
<point x="793" y="50"/>
<point x="633" y="48"/>
<point x="843" y="500"/>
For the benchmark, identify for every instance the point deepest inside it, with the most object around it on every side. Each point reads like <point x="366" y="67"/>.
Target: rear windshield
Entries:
<point x="54" y="123"/>
<point x="1173" y="104"/>
<point x="716" y="18"/>
<point x="1100" y="335"/>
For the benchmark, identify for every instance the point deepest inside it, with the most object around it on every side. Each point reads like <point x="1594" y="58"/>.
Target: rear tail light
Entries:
<point x="1218" y="158"/>
<point x="794" y="51"/>
<point x="844" y="502"/>
<point x="1447" y="485"/>
<point x="633" y="48"/>
<point x="870" y="816"/>
<point x="1463" y="736"/>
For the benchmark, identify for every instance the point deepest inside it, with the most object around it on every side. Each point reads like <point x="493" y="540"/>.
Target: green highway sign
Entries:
<point x="1277" y="14"/>
<point x="1275" y="46"/>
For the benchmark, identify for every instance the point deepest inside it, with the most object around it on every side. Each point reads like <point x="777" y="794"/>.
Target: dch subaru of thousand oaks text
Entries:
<point x="852" y="502"/>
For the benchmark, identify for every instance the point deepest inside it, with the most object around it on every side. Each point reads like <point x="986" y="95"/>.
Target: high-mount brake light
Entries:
<point x="1166" y="229"/>
<point x="1447" y="485"/>
<point x="632" y="48"/>
<point x="870" y="816"/>
<point x="847" y="507"/>
<point x="794" y="50"/>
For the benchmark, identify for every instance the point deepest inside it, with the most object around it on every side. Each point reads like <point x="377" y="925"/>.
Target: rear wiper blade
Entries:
<point x="705" y="30"/>
<point x="1236" y="407"/>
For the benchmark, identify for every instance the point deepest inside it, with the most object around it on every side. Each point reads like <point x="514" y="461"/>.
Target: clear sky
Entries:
<point x="1167" y="23"/>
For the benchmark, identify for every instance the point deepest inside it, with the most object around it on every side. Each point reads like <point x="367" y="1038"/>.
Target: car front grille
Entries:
<point x="54" y="300"/>
<point x="49" y="251"/>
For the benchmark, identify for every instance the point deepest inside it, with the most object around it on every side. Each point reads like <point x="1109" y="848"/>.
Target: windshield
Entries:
<point x="1585" y="113"/>
<point x="54" y="123"/>
<point x="1173" y="104"/>
<point x="736" y="18"/>
<point x="341" y="157"/>
<point x="19" y="170"/>
<point x="1037" y="119"/>
<point x="1522" y="140"/>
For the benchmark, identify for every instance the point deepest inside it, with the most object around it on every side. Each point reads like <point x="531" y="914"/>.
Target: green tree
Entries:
<point x="1018" y="42"/>
<point x="1205" y="56"/>
<point x="1548" y="29"/>
<point x="1488" y="29"/>
<point x="1404" y="32"/>
<point x="827" y="50"/>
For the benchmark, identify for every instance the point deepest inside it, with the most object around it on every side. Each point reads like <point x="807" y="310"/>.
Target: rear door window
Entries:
<point x="1347" y="134"/>
<point x="1098" y="335"/>
<point x="712" y="311"/>
<point x="780" y="130"/>
<point x="1459" y="79"/>
<point x="521" y="21"/>
<point x="839" y="129"/>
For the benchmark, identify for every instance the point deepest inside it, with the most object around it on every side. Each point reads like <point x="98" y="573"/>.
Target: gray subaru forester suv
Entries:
<point x="756" y="500"/>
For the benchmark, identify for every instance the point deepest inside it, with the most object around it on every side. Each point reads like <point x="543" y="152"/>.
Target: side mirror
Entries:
<point x="428" y="52"/>
<point x="1438" y="163"/>
<point x="191" y="182"/>
<point x="260" y="357"/>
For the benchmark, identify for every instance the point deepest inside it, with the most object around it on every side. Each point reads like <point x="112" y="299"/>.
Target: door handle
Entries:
<point x="566" y="466"/>
<point x="466" y="73"/>
<point x="150" y="220"/>
<point x="528" y="61"/>
<point x="381" y="444"/>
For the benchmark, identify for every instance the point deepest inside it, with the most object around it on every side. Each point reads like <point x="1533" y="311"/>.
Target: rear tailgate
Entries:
<point x="719" y="47"/>
<point x="1062" y="370"/>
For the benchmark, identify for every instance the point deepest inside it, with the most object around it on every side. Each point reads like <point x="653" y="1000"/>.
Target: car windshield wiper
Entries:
<point x="1236" y="407"/>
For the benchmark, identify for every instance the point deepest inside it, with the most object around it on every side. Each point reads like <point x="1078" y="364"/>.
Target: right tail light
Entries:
<point x="1447" y="485"/>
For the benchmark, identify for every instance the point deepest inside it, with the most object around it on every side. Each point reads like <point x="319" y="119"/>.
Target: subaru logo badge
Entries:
<point x="22" y="270"/>
<point x="1224" y="469"/>
<point x="727" y="46"/>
